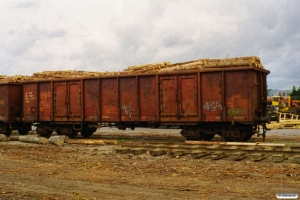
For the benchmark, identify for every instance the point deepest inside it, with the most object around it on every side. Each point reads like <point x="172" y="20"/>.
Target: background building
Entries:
<point x="275" y="92"/>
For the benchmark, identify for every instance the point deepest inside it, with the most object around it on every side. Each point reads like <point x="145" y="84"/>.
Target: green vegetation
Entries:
<point x="295" y="94"/>
<point x="232" y="112"/>
<point x="77" y="196"/>
<point x="120" y="140"/>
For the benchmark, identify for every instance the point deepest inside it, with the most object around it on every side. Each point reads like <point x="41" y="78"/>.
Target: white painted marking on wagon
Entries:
<point x="128" y="110"/>
<point x="212" y="106"/>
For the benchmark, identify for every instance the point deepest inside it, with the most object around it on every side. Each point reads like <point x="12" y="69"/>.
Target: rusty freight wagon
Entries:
<point x="204" y="97"/>
<point x="11" y="109"/>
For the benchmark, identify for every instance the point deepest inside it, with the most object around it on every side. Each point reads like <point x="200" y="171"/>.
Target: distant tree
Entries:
<point x="295" y="94"/>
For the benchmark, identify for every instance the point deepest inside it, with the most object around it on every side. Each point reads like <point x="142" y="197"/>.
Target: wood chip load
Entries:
<point x="253" y="61"/>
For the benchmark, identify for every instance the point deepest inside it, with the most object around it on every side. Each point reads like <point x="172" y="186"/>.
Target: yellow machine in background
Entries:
<point x="286" y="104"/>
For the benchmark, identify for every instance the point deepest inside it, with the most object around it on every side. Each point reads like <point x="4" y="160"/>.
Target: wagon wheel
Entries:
<point x="153" y="124"/>
<point x="183" y="132"/>
<point x="203" y="136"/>
<point x="23" y="130"/>
<point x="73" y="134"/>
<point x="58" y="132"/>
<point x="189" y="134"/>
<point x="237" y="139"/>
<point x="86" y="133"/>
<point x="43" y="132"/>
<point x="233" y="135"/>
<point x="208" y="137"/>
<point x="8" y="131"/>
<point x="247" y="137"/>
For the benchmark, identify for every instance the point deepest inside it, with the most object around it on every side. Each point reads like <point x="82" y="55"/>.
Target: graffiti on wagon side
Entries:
<point x="128" y="110"/>
<point x="212" y="106"/>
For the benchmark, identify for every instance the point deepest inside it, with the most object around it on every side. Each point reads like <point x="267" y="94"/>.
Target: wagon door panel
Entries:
<point x="91" y="100"/>
<point x="109" y="99"/>
<point x="147" y="98"/>
<point x="4" y="102"/>
<point x="15" y="102"/>
<point x="128" y="99"/>
<point x="60" y="99"/>
<point x="45" y="103"/>
<point x="237" y="95"/>
<point x="188" y="96"/>
<point x="30" y="102"/>
<point x="74" y="100"/>
<point x="67" y="101"/>
<point x="168" y="96"/>
<point x="211" y="96"/>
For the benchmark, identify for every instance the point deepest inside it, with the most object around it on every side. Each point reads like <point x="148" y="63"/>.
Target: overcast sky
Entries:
<point x="110" y="35"/>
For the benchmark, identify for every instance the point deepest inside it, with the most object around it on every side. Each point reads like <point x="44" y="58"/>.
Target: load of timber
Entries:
<point x="253" y="61"/>
<point x="14" y="79"/>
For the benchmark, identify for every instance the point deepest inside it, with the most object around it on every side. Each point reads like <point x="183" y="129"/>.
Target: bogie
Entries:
<point x="44" y="132"/>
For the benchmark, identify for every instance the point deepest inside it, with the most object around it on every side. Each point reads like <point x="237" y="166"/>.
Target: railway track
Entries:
<point x="217" y="150"/>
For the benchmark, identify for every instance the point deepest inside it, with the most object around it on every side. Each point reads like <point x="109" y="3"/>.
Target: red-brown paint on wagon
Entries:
<point x="205" y="96"/>
<point x="147" y="93"/>
<point x="45" y="101"/>
<point x="11" y="115"/>
<point x="10" y="102"/>
<point x="91" y="99"/>
<point x="185" y="98"/>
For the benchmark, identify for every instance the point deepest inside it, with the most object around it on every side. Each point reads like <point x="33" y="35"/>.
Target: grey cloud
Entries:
<point x="21" y="45"/>
<point x="24" y="40"/>
<point x="171" y="40"/>
<point x="26" y="4"/>
<point x="57" y="33"/>
<point x="155" y="31"/>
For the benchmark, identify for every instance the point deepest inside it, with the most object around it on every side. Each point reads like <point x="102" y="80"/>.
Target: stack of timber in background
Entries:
<point x="162" y="67"/>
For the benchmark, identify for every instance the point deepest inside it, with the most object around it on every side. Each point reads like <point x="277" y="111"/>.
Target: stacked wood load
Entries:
<point x="197" y="64"/>
<point x="145" y="68"/>
<point x="69" y="74"/>
<point x="14" y="79"/>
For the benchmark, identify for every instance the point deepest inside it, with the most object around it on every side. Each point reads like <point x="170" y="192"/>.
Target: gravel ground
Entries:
<point x="34" y="171"/>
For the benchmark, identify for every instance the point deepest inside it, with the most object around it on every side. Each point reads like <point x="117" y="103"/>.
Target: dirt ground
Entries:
<point x="35" y="171"/>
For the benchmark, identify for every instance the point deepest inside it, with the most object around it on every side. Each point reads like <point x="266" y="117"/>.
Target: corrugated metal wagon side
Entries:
<point x="228" y="101"/>
<point x="37" y="104"/>
<point x="11" y="117"/>
<point x="232" y="104"/>
<point x="58" y="105"/>
<point x="129" y="101"/>
<point x="178" y="98"/>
